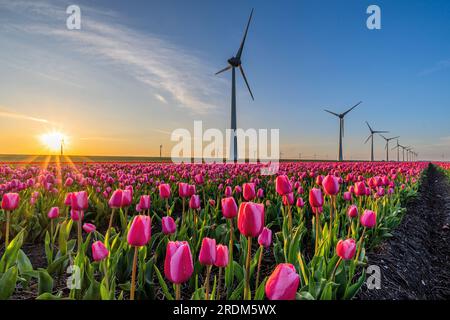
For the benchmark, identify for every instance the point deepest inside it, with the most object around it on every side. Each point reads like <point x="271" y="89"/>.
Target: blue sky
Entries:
<point x="135" y="72"/>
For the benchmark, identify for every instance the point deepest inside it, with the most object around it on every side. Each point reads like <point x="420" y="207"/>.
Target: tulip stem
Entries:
<point x="289" y="217"/>
<point x="335" y="269"/>
<point x="177" y="292"/>
<point x="259" y="266"/>
<point x="208" y="273"/>
<point x="133" y="274"/>
<point x="219" y="283"/>
<point x="80" y="238"/>
<point x="360" y="245"/>
<point x="331" y="221"/>
<point x="317" y="230"/>
<point x="167" y="206"/>
<point x="7" y="229"/>
<point x="105" y="271"/>
<point x="349" y="228"/>
<point x="51" y="233"/>
<point x="231" y="239"/>
<point x="247" y="269"/>
<point x="111" y="219"/>
<point x="182" y="212"/>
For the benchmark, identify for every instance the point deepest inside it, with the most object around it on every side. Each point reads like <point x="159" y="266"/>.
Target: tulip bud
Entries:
<point x="178" y="265"/>
<point x="288" y="199"/>
<point x="144" y="202"/>
<point x="116" y="199"/>
<point x="140" y="231"/>
<point x="260" y="193"/>
<point x="249" y="191"/>
<point x="251" y="219"/>
<point x="221" y="256"/>
<point x="99" y="251"/>
<point x="346" y="249"/>
<point x="229" y="208"/>
<point x="228" y="191"/>
<point x="368" y="219"/>
<point x="79" y="200"/>
<point x="164" y="191"/>
<point x="168" y="225"/>
<point x="89" y="227"/>
<point x="347" y="196"/>
<point x="194" y="202"/>
<point x="283" y="185"/>
<point x="330" y="185"/>
<point x="300" y="203"/>
<point x="360" y="189"/>
<point x="10" y="201"/>
<point x="315" y="198"/>
<point x="53" y="213"/>
<point x="282" y="283"/>
<point x="207" y="254"/>
<point x="183" y="190"/>
<point x="265" y="237"/>
<point x="352" y="211"/>
<point x="68" y="199"/>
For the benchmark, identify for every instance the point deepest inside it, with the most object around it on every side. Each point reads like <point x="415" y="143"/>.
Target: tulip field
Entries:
<point x="119" y="231"/>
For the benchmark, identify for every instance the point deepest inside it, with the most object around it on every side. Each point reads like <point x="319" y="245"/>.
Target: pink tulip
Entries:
<point x="249" y="191"/>
<point x="283" y="185"/>
<point x="183" y="190"/>
<point x="300" y="203"/>
<point x="265" y="237"/>
<point x="144" y="202"/>
<point x="89" y="227"/>
<point x="330" y="185"/>
<point x="282" y="283"/>
<point x="68" y="199"/>
<point x="116" y="199"/>
<point x="347" y="196"/>
<point x="168" y="225"/>
<point x="251" y="219"/>
<point x="260" y="193"/>
<point x="198" y="179"/>
<point x="229" y="207"/>
<point x="140" y="231"/>
<point x="221" y="256"/>
<point x="53" y="213"/>
<point x="164" y="191"/>
<point x="76" y="215"/>
<point x="368" y="219"/>
<point x="127" y="197"/>
<point x="228" y="191"/>
<point x="288" y="199"/>
<point x="352" y="211"/>
<point x="99" y="251"/>
<point x="207" y="255"/>
<point x="360" y="189"/>
<point x="178" y="264"/>
<point x="79" y="200"/>
<point x="10" y="201"/>
<point x="212" y="202"/>
<point x="194" y="202"/>
<point x="315" y="198"/>
<point x="346" y="249"/>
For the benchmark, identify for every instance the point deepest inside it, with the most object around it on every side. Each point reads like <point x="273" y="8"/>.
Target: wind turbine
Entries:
<point x="341" y="126"/>
<point x="398" y="150"/>
<point x="404" y="148"/>
<point x="62" y="147"/>
<point x="233" y="63"/>
<point x="387" y="144"/>
<point x="372" y="132"/>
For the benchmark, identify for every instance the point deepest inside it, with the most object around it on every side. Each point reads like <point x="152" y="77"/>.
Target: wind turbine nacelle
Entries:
<point x="235" y="62"/>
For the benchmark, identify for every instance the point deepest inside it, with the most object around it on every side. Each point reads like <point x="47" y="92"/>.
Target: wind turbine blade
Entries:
<point x="335" y="114"/>
<point x="383" y="137"/>
<point x="239" y="53"/>
<point x="368" y="138"/>
<point x="352" y="108"/>
<point x="394" y="138"/>
<point x="395" y="147"/>
<point x="223" y="70"/>
<point x="246" y="82"/>
<point x="370" y="128"/>
<point x="380" y="131"/>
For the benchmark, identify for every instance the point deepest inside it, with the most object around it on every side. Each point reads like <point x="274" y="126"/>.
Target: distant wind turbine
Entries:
<point x="398" y="150"/>
<point x="341" y="126"/>
<point x="387" y="144"/>
<point x="372" y="132"/>
<point x="233" y="63"/>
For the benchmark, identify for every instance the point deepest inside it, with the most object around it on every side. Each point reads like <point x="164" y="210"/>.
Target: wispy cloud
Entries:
<point x="175" y="75"/>
<point x="14" y="115"/>
<point x="441" y="65"/>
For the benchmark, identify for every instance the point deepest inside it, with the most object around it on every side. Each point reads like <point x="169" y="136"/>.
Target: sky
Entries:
<point x="136" y="71"/>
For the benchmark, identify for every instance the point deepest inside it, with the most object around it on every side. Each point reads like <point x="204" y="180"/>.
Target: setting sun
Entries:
<point x="53" y="140"/>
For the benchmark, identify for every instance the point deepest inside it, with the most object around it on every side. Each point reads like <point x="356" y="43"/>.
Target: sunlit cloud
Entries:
<point x="170" y="71"/>
<point x="20" y="116"/>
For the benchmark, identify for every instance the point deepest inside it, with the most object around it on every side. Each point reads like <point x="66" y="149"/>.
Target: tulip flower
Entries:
<point x="300" y="203"/>
<point x="283" y="283"/>
<point x="138" y="236"/>
<point x="99" y="251"/>
<point x="164" y="191"/>
<point x="347" y="196"/>
<point x="144" y="202"/>
<point x="250" y="224"/>
<point x="229" y="208"/>
<point x="264" y="240"/>
<point x="228" y="191"/>
<point x="283" y="185"/>
<point x="360" y="189"/>
<point x="89" y="227"/>
<point x="183" y="190"/>
<point x="260" y="193"/>
<point x="10" y="202"/>
<point x="345" y="249"/>
<point x="368" y="220"/>
<point x="249" y="192"/>
<point x="222" y="259"/>
<point x="53" y="213"/>
<point x="194" y="202"/>
<point x="79" y="200"/>
<point x="207" y="257"/>
<point x="168" y="225"/>
<point x="178" y="264"/>
<point x="330" y="185"/>
<point x="116" y="199"/>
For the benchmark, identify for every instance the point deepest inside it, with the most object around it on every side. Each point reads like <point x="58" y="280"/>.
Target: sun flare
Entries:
<point x="53" y="141"/>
